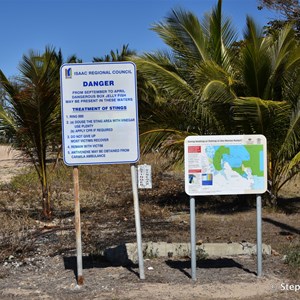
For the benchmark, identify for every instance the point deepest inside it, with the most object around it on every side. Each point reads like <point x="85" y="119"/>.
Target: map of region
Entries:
<point x="237" y="166"/>
<point x="226" y="169"/>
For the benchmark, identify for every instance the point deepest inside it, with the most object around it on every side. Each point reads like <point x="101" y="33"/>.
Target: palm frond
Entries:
<point x="221" y="35"/>
<point x="167" y="142"/>
<point x="255" y="115"/>
<point x="291" y="143"/>
<point x="182" y="31"/>
<point x="256" y="63"/>
<point x="160" y="70"/>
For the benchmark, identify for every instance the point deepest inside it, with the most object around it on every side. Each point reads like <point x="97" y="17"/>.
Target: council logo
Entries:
<point x="68" y="73"/>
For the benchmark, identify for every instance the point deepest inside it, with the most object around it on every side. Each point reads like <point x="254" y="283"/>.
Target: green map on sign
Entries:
<point x="235" y="167"/>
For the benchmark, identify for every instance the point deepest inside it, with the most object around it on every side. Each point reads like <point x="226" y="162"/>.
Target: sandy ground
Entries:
<point x="53" y="277"/>
<point x="11" y="163"/>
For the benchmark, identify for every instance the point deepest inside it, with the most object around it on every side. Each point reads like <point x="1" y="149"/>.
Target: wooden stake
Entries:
<point x="77" y="226"/>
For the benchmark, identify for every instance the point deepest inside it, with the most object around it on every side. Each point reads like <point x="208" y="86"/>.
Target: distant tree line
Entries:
<point x="288" y="9"/>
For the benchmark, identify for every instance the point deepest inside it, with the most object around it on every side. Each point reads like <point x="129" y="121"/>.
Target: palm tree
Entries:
<point x="269" y="101"/>
<point x="188" y="101"/>
<point x="146" y="90"/>
<point x="116" y="56"/>
<point x="32" y="112"/>
<point x="205" y="88"/>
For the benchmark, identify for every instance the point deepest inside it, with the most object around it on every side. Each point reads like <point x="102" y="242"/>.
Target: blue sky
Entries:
<point x="91" y="28"/>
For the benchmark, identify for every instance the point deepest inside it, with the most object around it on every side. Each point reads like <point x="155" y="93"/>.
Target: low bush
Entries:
<point x="293" y="255"/>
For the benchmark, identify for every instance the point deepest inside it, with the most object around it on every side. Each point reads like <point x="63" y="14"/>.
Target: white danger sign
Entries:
<point x="99" y="113"/>
<point x="225" y="165"/>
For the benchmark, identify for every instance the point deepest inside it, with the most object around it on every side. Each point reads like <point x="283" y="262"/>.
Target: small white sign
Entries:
<point x="144" y="177"/>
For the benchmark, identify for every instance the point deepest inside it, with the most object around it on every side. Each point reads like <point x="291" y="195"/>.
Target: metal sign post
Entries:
<point x="137" y="220"/>
<point x="225" y="165"/>
<point x="193" y="237"/>
<point x="259" y="236"/>
<point x="77" y="226"/>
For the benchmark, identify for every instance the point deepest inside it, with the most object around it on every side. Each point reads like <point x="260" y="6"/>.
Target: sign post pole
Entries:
<point x="259" y="236"/>
<point x="137" y="220"/>
<point x="226" y="165"/>
<point x="193" y="237"/>
<point x="77" y="226"/>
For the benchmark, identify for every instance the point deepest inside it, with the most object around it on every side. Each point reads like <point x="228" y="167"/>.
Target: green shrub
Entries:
<point x="293" y="256"/>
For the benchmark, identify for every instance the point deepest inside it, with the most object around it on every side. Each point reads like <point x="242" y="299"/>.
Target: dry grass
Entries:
<point x="14" y="233"/>
<point x="293" y="258"/>
<point x="102" y="187"/>
<point x="107" y="209"/>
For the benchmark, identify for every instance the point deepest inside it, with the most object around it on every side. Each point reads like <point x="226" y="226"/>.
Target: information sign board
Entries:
<point x="99" y="113"/>
<point x="225" y="164"/>
<point x="144" y="177"/>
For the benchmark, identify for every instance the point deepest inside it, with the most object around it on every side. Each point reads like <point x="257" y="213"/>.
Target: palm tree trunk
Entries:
<point x="47" y="210"/>
<point x="46" y="202"/>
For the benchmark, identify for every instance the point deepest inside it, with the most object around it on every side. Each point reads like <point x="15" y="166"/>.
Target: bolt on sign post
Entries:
<point x="225" y="165"/>
<point x="100" y="126"/>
